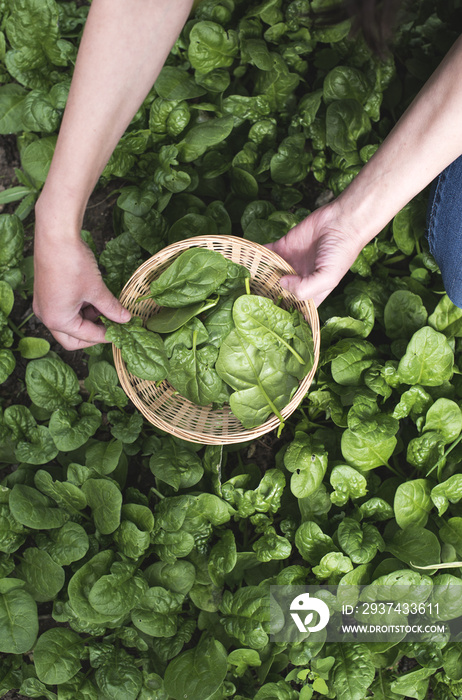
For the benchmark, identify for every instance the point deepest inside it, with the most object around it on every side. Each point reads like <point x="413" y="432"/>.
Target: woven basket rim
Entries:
<point x="151" y="269"/>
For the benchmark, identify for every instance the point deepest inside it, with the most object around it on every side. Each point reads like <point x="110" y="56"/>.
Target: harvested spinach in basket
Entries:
<point x="215" y="342"/>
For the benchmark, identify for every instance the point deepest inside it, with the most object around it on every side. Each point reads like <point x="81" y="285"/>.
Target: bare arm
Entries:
<point x="123" y="49"/>
<point x="426" y="139"/>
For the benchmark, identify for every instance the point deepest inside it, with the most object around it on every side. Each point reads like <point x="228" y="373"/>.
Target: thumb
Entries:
<point x="109" y="306"/>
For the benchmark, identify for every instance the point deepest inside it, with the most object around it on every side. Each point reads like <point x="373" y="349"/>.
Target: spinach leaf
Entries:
<point x="52" y="384"/>
<point x="18" y="619"/>
<point x="192" y="373"/>
<point x="57" y="655"/>
<point x="168" y="320"/>
<point x="262" y="323"/>
<point x="260" y="389"/>
<point x="191" y="278"/>
<point x="428" y="359"/>
<point x="198" y="672"/>
<point x="142" y="350"/>
<point x="185" y="335"/>
<point x="211" y="47"/>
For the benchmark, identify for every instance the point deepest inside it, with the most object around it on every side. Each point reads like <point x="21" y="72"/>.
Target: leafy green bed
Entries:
<point x="133" y="565"/>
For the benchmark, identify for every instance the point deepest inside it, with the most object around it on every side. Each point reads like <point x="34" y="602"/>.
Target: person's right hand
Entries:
<point x="321" y="249"/>
<point x="69" y="293"/>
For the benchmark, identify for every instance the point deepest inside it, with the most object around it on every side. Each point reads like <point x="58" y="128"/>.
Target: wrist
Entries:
<point x="58" y="215"/>
<point x="361" y="207"/>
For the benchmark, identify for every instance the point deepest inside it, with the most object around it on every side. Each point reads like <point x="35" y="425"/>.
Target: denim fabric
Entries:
<point x="444" y="228"/>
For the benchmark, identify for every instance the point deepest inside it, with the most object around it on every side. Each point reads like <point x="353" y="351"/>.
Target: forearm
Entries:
<point x="425" y="140"/>
<point x="123" y="49"/>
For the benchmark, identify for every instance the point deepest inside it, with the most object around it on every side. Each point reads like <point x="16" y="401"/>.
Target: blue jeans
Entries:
<point x="444" y="228"/>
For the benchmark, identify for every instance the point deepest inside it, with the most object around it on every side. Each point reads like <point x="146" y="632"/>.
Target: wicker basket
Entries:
<point x="169" y="411"/>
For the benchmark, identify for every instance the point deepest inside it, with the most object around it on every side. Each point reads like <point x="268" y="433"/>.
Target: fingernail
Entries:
<point x="125" y="315"/>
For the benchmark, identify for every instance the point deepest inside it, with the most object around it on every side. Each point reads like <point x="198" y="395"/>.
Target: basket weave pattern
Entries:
<point x="160" y="404"/>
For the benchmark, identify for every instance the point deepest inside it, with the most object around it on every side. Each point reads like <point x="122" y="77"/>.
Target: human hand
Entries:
<point x="69" y="293"/>
<point x="321" y="249"/>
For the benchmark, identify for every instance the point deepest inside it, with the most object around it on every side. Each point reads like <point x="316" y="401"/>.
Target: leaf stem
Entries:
<point x="158" y="493"/>
<point x="23" y="323"/>
<point x="394" y="259"/>
<point x="14" y="328"/>
<point x="443" y="456"/>
<point x="395" y="471"/>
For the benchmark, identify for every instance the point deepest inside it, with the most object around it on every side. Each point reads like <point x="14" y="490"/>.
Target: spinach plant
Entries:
<point x="134" y="565"/>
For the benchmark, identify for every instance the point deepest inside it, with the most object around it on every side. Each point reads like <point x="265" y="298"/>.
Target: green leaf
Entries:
<point x="415" y="545"/>
<point x="44" y="578"/>
<point x="412" y="503"/>
<point x="104" y="457"/>
<point x="118" y="678"/>
<point x="103" y="383"/>
<point x="32" y="348"/>
<point x="66" y="544"/>
<point x="332" y="567"/>
<point x="105" y="501"/>
<point x="36" y="157"/>
<point x="198" y="672"/>
<point x="246" y="616"/>
<point x="204" y="135"/>
<point x="36" y="689"/>
<point x="52" y="384"/>
<point x="347" y="483"/>
<point x="444" y="416"/>
<point x="33" y="509"/>
<point x="407" y="226"/>
<point x="352" y="357"/>
<point x="371" y="443"/>
<point x="18" y="621"/>
<point x="70" y="429"/>
<point x="449" y="491"/>
<point x="82" y="582"/>
<point x="177" y="576"/>
<point x="192" y="277"/>
<point x="174" y="83"/>
<point x="404" y="314"/>
<point x="11" y="241"/>
<point x="346" y="124"/>
<point x="7" y="364"/>
<point x="223" y="557"/>
<point x="360" y="542"/>
<point x="312" y="543"/>
<point x="156" y="613"/>
<point x="117" y="593"/>
<point x="260" y="387"/>
<point x="11" y="108"/>
<point x="446" y="318"/>
<point x="211" y="47"/>
<point x="451" y="533"/>
<point x="142" y="350"/>
<point x="177" y="465"/>
<point x="272" y="546"/>
<point x="428" y="359"/>
<point x="413" y="684"/>
<point x="192" y="373"/>
<point x="57" y="655"/>
<point x="66" y="495"/>
<point x="353" y="670"/>
<point x="6" y="298"/>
